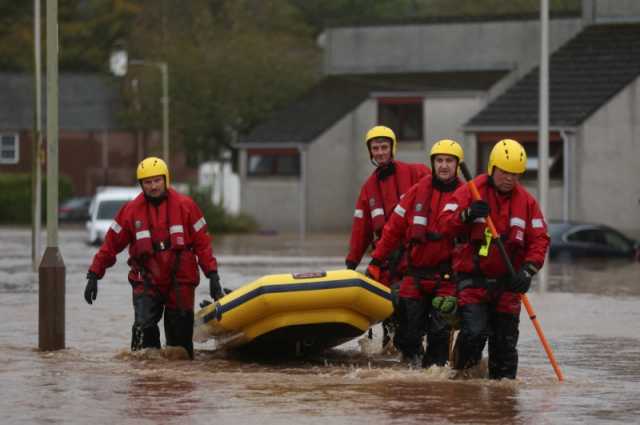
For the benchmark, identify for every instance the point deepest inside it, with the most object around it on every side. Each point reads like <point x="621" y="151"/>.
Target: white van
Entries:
<point x="103" y="209"/>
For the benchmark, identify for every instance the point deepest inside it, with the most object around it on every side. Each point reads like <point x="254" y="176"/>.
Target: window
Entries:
<point x="617" y="241"/>
<point x="9" y="149"/>
<point x="530" y="143"/>
<point x="109" y="209"/>
<point x="273" y="162"/>
<point x="604" y="238"/>
<point x="587" y="236"/>
<point x="403" y="115"/>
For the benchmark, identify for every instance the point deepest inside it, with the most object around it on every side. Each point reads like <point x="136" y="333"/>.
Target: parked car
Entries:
<point x="104" y="207"/>
<point x="74" y="209"/>
<point x="575" y="240"/>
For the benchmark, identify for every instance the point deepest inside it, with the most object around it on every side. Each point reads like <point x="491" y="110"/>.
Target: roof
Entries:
<point x="86" y="101"/>
<point x="584" y="74"/>
<point x="335" y="96"/>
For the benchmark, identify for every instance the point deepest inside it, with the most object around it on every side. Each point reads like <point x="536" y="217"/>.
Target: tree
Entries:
<point x="88" y="29"/>
<point x="232" y="62"/>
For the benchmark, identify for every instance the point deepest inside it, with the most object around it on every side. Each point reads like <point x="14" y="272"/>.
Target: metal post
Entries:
<point x="543" y="116"/>
<point x="51" y="324"/>
<point x="165" y="110"/>
<point x="303" y="193"/>
<point x="164" y="71"/>
<point x="36" y="148"/>
<point x="566" y="176"/>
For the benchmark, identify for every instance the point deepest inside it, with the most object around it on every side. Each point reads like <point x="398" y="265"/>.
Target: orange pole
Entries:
<point x="523" y="297"/>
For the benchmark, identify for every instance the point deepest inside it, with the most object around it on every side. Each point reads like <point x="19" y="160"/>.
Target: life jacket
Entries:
<point x="143" y="246"/>
<point x="426" y="207"/>
<point x="517" y="213"/>
<point x="383" y="195"/>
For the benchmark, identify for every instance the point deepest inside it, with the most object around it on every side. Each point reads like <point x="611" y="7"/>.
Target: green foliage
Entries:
<point x="219" y="221"/>
<point x="15" y="197"/>
<point x="88" y="31"/>
<point x="231" y="64"/>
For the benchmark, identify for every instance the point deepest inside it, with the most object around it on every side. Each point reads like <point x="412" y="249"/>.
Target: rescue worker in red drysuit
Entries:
<point x="488" y="298"/>
<point x="380" y="193"/>
<point x="378" y="197"/>
<point x="429" y="271"/>
<point x="167" y="238"/>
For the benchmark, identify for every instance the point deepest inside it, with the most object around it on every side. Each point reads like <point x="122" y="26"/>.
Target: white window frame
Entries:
<point x="16" y="144"/>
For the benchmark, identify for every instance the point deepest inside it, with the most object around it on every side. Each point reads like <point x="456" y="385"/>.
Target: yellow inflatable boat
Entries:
<point x="295" y="314"/>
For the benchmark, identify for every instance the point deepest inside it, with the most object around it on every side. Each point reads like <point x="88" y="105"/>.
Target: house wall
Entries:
<point x="606" y="163"/>
<point x="273" y="201"/>
<point x="334" y="176"/>
<point x="555" y="197"/>
<point x="460" y="46"/>
<point x="97" y="158"/>
<point x="444" y="117"/>
<point x="614" y="10"/>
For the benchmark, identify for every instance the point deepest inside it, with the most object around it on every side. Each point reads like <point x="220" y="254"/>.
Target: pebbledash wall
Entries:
<point x="608" y="171"/>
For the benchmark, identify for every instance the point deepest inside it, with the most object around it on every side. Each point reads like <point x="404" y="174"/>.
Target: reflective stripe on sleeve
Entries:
<point x="479" y="220"/>
<point x="450" y="207"/>
<point x="399" y="210"/>
<point x="517" y="221"/>
<point x="376" y="212"/>
<point x="358" y="213"/>
<point x="176" y="228"/>
<point x="417" y="219"/>
<point x="143" y="234"/>
<point x="537" y="223"/>
<point x="199" y="224"/>
<point x="116" y="227"/>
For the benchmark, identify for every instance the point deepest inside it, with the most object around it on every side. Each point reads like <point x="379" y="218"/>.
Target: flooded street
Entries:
<point x="589" y="312"/>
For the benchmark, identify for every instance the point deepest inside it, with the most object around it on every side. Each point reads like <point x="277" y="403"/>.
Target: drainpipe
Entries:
<point x="303" y="193"/>
<point x="566" y="175"/>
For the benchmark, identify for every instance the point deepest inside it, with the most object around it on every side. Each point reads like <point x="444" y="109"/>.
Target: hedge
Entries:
<point x="15" y="197"/>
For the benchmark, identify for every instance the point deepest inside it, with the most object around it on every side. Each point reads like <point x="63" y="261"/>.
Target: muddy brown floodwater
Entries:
<point x="590" y="313"/>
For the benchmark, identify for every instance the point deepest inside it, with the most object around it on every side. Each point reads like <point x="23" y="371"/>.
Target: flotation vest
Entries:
<point x="516" y="214"/>
<point x="383" y="195"/>
<point x="143" y="244"/>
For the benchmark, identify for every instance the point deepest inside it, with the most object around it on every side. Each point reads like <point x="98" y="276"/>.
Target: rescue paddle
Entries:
<point x="512" y="273"/>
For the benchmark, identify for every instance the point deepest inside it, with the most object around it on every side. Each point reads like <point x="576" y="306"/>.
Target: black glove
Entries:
<point x="91" y="290"/>
<point x="215" y="290"/>
<point x="522" y="281"/>
<point x="477" y="209"/>
<point x="351" y="265"/>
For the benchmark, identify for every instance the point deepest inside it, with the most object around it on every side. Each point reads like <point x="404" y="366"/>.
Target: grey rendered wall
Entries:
<point x="614" y="10"/>
<point x="273" y="202"/>
<point x="331" y="174"/>
<point x="555" y="197"/>
<point x="441" y="47"/>
<point x="607" y="170"/>
<point x="444" y="117"/>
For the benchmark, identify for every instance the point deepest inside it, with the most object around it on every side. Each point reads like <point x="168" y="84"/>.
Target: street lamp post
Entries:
<point x="119" y="62"/>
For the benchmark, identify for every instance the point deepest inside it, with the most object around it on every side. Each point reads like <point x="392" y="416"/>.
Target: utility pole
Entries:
<point x="543" y="127"/>
<point x="119" y="63"/>
<point x="164" y="69"/>
<point x="36" y="142"/>
<point x="51" y="288"/>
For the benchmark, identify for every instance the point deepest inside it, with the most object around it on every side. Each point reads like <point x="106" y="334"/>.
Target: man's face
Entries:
<point x="445" y="167"/>
<point x="154" y="187"/>
<point x="504" y="181"/>
<point x="380" y="149"/>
